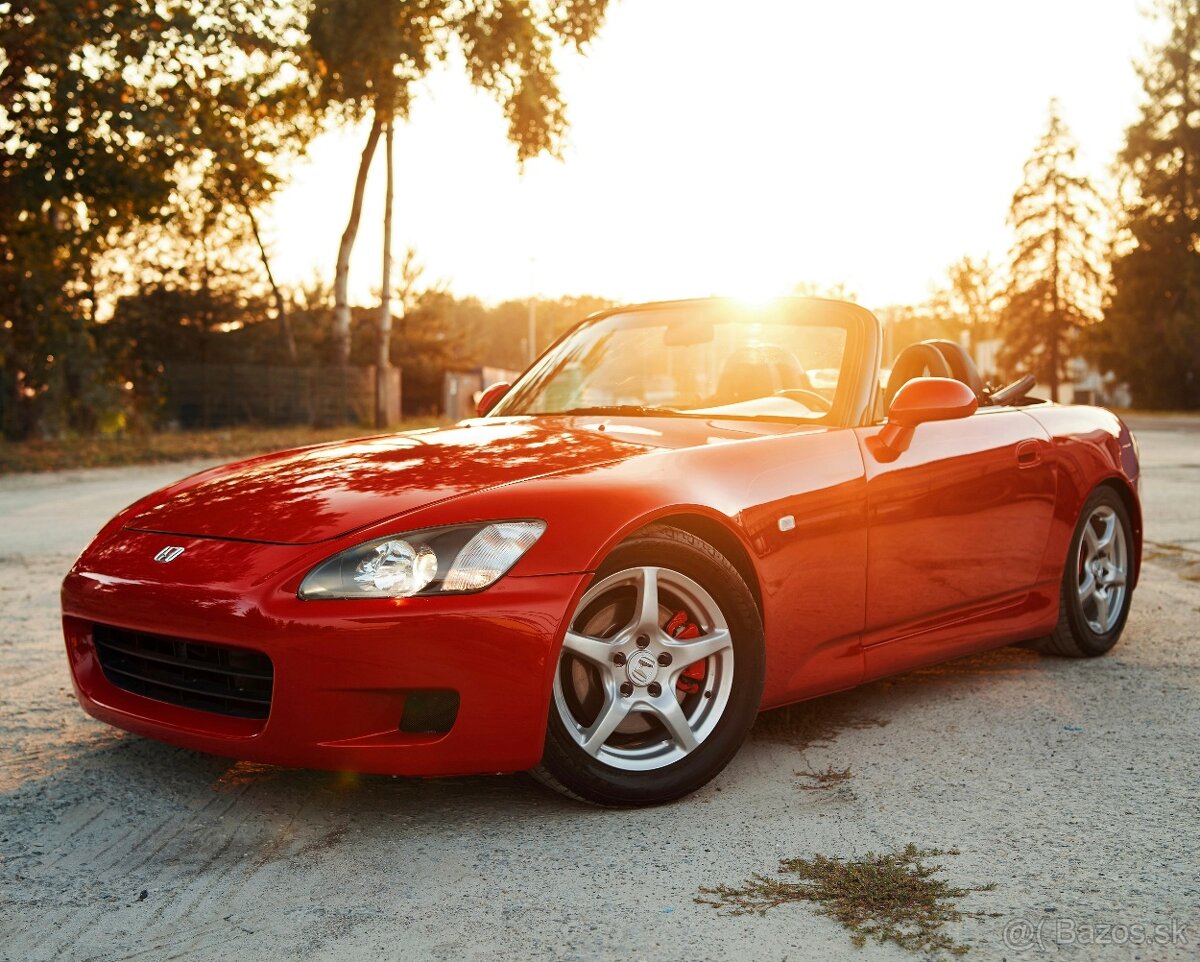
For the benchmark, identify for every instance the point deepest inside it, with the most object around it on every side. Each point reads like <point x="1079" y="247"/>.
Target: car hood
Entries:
<point x="314" y="494"/>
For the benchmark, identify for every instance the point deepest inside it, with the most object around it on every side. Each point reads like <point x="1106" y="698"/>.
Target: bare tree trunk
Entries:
<point x="1057" y="325"/>
<point x="341" y="282"/>
<point x="285" y="327"/>
<point x="383" y="361"/>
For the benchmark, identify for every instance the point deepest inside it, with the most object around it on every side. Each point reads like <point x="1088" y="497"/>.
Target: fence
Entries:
<point x="220" y="395"/>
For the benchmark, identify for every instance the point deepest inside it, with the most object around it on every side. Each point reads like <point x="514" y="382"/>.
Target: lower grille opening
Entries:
<point x="429" y="711"/>
<point x="192" y="674"/>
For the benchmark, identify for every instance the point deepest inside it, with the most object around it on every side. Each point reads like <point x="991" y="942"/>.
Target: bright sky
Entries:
<point x="739" y="148"/>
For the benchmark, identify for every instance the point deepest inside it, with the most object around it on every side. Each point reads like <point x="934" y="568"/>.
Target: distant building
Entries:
<point x="1084" y="383"/>
<point x="1089" y="385"/>
<point x="461" y="388"/>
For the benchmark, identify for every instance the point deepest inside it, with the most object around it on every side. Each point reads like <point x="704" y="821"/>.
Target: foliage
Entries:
<point x="500" y="336"/>
<point x="368" y="49"/>
<point x="1055" y="275"/>
<point x="907" y="324"/>
<point x="1151" y="330"/>
<point x="184" y="320"/>
<point x="439" y="331"/>
<point x="971" y="298"/>
<point x="837" y="292"/>
<point x="370" y="53"/>
<point x="892" y="897"/>
<point x="103" y="103"/>
<point x="424" y="344"/>
<point x="164" y="323"/>
<point x="964" y="309"/>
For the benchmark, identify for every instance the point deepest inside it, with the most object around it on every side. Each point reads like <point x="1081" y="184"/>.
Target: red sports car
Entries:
<point x="681" y="514"/>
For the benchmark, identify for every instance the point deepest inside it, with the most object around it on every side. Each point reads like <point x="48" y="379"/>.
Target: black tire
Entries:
<point x="1073" y="636"/>
<point x="569" y="769"/>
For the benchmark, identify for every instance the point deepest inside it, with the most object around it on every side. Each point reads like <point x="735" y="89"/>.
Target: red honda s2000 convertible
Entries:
<point x="682" y="513"/>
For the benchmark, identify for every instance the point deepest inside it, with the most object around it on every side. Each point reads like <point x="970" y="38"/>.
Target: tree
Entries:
<point x="1055" y="276"/>
<point x="383" y="359"/>
<point x="963" y="308"/>
<point x="429" y="340"/>
<point x="497" y="336"/>
<point x="836" y="292"/>
<point x="371" y="52"/>
<point x="1151" y="330"/>
<point x="176" y="283"/>
<point x="80" y="162"/>
<point x="248" y="130"/>
<point x="905" y="324"/>
<point x="972" y="297"/>
<point x="103" y="105"/>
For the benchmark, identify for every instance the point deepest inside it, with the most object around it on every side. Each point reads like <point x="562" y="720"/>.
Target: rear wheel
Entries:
<point x="1096" y="590"/>
<point x="660" y="674"/>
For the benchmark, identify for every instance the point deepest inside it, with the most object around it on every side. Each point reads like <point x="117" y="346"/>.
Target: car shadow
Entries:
<point x="130" y="806"/>
<point x="873" y="705"/>
<point x="190" y="851"/>
<point x="141" y="764"/>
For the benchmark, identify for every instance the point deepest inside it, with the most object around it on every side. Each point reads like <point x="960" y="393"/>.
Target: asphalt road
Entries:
<point x="1170" y="456"/>
<point x="1070" y="785"/>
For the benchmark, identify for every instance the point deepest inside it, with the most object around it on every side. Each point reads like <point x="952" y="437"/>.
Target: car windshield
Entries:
<point x="708" y="359"/>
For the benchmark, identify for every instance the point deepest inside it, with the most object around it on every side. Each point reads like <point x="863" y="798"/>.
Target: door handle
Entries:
<point x="1028" y="454"/>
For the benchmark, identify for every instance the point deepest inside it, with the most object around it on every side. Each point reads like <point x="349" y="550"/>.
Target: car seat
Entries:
<point x="962" y="368"/>
<point x="760" y="370"/>
<point x="916" y="360"/>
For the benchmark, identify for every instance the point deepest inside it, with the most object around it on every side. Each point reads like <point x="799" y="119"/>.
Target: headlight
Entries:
<point x="456" y="559"/>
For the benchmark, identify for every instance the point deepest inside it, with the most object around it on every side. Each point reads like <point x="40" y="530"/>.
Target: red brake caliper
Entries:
<point x="681" y="626"/>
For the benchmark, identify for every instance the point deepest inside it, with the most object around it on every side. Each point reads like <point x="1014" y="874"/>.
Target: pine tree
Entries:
<point x="1055" y="277"/>
<point x="1151" y="330"/>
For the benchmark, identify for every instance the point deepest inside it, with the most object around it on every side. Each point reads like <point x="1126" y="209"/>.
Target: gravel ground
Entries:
<point x="1070" y="785"/>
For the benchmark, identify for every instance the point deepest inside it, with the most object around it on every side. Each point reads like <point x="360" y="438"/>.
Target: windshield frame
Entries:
<point x="852" y="398"/>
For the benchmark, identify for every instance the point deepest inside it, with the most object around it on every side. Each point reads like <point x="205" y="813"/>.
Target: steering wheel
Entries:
<point x="810" y="399"/>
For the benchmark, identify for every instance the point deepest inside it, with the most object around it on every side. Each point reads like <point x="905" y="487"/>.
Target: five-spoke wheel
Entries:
<point x="1103" y="569"/>
<point x="1097" y="582"/>
<point x="620" y="689"/>
<point x="659" y="675"/>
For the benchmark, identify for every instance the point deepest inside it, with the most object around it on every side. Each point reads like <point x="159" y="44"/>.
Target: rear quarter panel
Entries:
<point x="1092" y="446"/>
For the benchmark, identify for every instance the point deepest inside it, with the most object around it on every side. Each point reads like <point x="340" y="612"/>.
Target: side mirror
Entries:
<point x="492" y="394"/>
<point x="922" y="399"/>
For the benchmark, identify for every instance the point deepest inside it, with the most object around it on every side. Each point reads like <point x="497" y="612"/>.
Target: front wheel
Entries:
<point x="660" y="674"/>
<point x="1096" y="588"/>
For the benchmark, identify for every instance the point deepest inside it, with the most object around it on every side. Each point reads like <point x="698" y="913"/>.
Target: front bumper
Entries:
<point x="342" y="669"/>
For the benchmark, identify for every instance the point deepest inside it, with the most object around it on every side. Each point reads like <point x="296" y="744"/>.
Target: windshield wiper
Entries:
<point x="633" y="409"/>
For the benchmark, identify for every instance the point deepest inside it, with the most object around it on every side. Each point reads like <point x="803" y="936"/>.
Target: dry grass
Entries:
<point x="226" y="443"/>
<point x="894" y="897"/>
<point x="830" y="777"/>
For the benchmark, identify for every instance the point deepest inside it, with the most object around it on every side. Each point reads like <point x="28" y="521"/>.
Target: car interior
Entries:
<point x="759" y="369"/>
<point x="944" y="358"/>
<point x="756" y="376"/>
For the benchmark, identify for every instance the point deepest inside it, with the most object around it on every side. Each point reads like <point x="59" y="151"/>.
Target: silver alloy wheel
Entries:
<point x="1103" y="570"/>
<point x="620" y="656"/>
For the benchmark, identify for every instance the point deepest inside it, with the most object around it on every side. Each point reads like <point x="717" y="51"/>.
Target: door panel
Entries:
<point x="813" y="567"/>
<point x="958" y="524"/>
